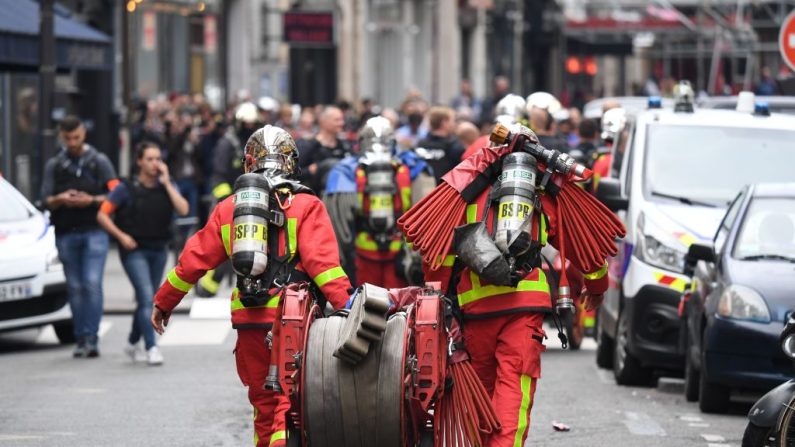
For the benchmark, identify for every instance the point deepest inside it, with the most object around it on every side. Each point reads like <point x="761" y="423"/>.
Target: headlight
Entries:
<point x="788" y="345"/>
<point x="53" y="262"/>
<point x="655" y="252"/>
<point x="743" y="303"/>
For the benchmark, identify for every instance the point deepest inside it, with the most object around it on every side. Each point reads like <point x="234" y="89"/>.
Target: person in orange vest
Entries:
<point x="503" y="305"/>
<point x="301" y="246"/>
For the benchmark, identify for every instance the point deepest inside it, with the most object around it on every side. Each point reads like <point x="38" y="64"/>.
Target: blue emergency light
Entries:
<point x="761" y="108"/>
<point x="655" y="102"/>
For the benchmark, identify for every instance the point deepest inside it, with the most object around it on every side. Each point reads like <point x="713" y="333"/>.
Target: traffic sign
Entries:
<point x="786" y="40"/>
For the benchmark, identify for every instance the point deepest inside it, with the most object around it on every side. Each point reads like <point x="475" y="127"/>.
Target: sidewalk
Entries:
<point x="119" y="294"/>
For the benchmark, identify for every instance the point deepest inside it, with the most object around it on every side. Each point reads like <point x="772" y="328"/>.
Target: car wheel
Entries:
<point x="692" y="376"/>
<point x="65" y="331"/>
<point x="574" y="330"/>
<point x="712" y="397"/>
<point x="756" y="436"/>
<point x="604" y="348"/>
<point x="626" y="368"/>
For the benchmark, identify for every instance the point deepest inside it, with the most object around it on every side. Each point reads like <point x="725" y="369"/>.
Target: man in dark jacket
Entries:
<point x="75" y="183"/>
<point x="440" y="149"/>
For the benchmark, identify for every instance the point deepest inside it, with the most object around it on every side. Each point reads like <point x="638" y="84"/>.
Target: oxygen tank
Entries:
<point x="250" y="229"/>
<point x="380" y="188"/>
<point x="516" y="199"/>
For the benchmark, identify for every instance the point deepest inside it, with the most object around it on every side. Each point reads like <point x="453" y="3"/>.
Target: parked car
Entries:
<point x="679" y="172"/>
<point x="741" y="297"/>
<point x="32" y="282"/>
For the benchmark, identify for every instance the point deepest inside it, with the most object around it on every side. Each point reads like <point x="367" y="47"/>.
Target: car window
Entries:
<point x="13" y="208"/>
<point x="709" y="164"/>
<point x="768" y="229"/>
<point x="728" y="221"/>
<point x="622" y="147"/>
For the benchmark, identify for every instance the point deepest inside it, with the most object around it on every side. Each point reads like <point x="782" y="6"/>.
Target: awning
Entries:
<point x="77" y="44"/>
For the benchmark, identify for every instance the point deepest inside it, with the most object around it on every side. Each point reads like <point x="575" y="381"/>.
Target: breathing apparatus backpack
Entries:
<point x="513" y="248"/>
<point x="378" y="183"/>
<point x="257" y="219"/>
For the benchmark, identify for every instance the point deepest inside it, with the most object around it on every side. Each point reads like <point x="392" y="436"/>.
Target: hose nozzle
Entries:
<point x="564" y="303"/>
<point x="272" y="380"/>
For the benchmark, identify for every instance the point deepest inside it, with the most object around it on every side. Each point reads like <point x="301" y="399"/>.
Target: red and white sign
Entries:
<point x="149" y="30"/>
<point x="786" y="40"/>
<point x="210" y="34"/>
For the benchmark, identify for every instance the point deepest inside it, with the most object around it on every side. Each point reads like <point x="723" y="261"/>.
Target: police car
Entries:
<point x="678" y="173"/>
<point x="32" y="282"/>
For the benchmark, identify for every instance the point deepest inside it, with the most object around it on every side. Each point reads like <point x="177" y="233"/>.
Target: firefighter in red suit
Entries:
<point x="385" y="190"/>
<point x="306" y="243"/>
<point x="503" y="323"/>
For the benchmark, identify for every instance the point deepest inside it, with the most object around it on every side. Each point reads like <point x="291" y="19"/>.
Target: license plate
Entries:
<point x="15" y="291"/>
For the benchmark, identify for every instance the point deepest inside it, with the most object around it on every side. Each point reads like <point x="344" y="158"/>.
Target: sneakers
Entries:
<point x="92" y="349"/>
<point x="135" y="352"/>
<point x="153" y="356"/>
<point x="81" y="351"/>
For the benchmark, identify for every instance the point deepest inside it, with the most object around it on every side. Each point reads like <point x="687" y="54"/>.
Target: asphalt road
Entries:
<point x="195" y="398"/>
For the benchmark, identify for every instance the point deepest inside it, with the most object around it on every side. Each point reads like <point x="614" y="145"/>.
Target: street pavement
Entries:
<point x="196" y="399"/>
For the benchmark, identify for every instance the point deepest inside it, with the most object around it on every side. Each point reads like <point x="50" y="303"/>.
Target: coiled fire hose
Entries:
<point x="590" y="228"/>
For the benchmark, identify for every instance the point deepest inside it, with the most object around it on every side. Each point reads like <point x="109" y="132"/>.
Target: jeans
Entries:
<point x="83" y="256"/>
<point x="190" y="191"/>
<point x="144" y="267"/>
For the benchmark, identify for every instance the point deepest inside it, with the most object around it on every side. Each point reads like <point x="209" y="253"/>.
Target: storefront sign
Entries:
<point x="210" y="34"/>
<point x="316" y="28"/>
<point x="149" y="30"/>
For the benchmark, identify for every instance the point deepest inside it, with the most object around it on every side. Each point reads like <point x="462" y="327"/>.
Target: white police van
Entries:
<point x="678" y="172"/>
<point x="32" y="283"/>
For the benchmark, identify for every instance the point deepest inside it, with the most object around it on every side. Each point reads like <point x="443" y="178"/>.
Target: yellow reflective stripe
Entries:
<point x="527" y="400"/>
<point x="365" y="242"/>
<point x="177" y="282"/>
<point x="272" y="303"/>
<point x="543" y="232"/>
<point x="478" y="292"/>
<point x="329" y="275"/>
<point x="225" y="237"/>
<point x="222" y="190"/>
<point x="208" y="283"/>
<point x="256" y="436"/>
<point x="278" y="436"/>
<point x="599" y="274"/>
<point x="449" y="260"/>
<point x="292" y="228"/>
<point x="472" y="213"/>
<point x="589" y="322"/>
<point x="405" y="197"/>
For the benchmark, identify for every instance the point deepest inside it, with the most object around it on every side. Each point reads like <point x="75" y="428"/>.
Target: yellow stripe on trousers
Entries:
<point x="527" y="401"/>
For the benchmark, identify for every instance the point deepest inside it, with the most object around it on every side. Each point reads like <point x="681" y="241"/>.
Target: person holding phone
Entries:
<point x="143" y="207"/>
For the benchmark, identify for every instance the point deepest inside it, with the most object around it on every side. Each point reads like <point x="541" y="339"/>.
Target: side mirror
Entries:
<point x="608" y="191"/>
<point x="698" y="252"/>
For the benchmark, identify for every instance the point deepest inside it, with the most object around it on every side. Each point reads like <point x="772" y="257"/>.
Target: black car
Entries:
<point x="740" y="297"/>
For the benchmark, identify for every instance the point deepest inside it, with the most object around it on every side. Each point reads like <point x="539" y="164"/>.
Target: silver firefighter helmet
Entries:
<point x="271" y="149"/>
<point x="613" y="122"/>
<point x="510" y="108"/>
<point x="377" y="137"/>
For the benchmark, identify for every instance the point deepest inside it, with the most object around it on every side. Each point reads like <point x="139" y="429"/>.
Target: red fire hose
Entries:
<point x="590" y="228"/>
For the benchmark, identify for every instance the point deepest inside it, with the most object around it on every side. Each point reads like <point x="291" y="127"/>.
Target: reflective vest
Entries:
<point x="366" y="246"/>
<point x="308" y="234"/>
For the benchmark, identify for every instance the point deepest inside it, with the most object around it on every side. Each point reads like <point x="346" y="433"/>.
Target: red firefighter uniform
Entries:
<point x="377" y="264"/>
<point x="601" y="167"/>
<point x="307" y="236"/>
<point x="503" y="326"/>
